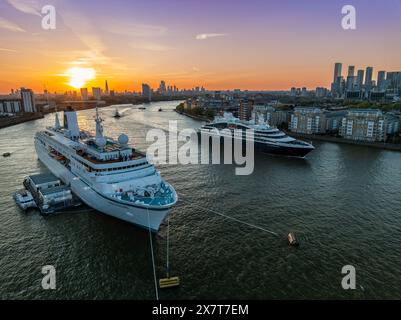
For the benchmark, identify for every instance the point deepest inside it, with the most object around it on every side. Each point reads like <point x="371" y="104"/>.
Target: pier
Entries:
<point x="50" y="194"/>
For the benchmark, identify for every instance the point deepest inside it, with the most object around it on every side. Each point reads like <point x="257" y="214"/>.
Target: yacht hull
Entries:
<point x="140" y="216"/>
<point x="269" y="148"/>
<point x="283" y="151"/>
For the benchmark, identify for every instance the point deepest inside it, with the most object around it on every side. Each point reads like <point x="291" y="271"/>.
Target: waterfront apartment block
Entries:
<point x="245" y="110"/>
<point x="268" y="113"/>
<point x="22" y="102"/>
<point x="312" y="120"/>
<point x="364" y="125"/>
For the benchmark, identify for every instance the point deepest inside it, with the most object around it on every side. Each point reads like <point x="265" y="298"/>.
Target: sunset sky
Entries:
<point x="224" y="44"/>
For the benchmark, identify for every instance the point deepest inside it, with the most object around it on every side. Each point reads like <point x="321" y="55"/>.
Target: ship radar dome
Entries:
<point x="123" y="139"/>
<point x="101" y="142"/>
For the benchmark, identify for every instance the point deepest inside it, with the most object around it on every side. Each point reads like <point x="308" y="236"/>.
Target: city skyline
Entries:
<point x="256" y="46"/>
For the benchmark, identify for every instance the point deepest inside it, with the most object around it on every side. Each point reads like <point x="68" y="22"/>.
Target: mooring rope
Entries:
<point x="153" y="258"/>
<point x="232" y="218"/>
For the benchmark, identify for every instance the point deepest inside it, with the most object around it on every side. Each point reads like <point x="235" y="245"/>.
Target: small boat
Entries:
<point x="6" y="154"/>
<point x="160" y="109"/>
<point x="24" y="199"/>
<point x="292" y="241"/>
<point x="117" y="114"/>
<point x="142" y="108"/>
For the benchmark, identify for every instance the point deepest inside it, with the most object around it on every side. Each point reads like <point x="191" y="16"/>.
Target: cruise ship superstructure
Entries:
<point x="266" y="139"/>
<point x="106" y="174"/>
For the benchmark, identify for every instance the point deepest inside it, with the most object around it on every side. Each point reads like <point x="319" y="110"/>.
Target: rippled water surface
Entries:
<point x="343" y="202"/>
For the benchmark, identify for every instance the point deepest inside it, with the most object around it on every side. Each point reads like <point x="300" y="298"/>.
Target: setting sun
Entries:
<point x="79" y="76"/>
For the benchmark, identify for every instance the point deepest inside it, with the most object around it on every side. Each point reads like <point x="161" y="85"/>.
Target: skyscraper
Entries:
<point x="106" y="88"/>
<point x="368" y="77"/>
<point x="97" y="93"/>
<point x="351" y="71"/>
<point x="359" y="79"/>
<point x="350" y="78"/>
<point x="337" y="87"/>
<point x="394" y="82"/>
<point x="146" y="91"/>
<point x="368" y="81"/>
<point x="337" y="71"/>
<point x="28" y="100"/>
<point x="84" y="94"/>
<point x="381" y="81"/>
<point x="162" y="87"/>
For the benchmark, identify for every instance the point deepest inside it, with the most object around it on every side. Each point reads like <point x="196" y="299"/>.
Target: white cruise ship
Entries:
<point x="266" y="139"/>
<point x="106" y="174"/>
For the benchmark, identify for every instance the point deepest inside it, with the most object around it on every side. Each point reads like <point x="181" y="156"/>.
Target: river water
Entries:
<point x="342" y="201"/>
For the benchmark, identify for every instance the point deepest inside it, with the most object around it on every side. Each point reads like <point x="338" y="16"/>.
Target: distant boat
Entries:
<point x="6" y="154"/>
<point x="160" y="109"/>
<point x="117" y="114"/>
<point x="142" y="108"/>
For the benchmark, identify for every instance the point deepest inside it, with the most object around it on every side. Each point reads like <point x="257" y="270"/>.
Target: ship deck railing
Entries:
<point x="135" y="156"/>
<point x="158" y="199"/>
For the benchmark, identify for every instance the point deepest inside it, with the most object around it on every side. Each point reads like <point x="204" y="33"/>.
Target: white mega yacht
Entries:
<point x="265" y="138"/>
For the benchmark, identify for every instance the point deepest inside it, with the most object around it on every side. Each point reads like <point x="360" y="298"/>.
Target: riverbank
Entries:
<point x="200" y="118"/>
<point x="11" y="121"/>
<point x="376" y="145"/>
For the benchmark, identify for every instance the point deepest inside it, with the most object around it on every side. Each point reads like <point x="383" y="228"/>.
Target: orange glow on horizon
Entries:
<point x="78" y="77"/>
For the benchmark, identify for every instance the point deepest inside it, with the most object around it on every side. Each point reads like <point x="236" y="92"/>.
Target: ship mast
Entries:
<point x="57" y="125"/>
<point x="100" y="140"/>
<point x="99" y="127"/>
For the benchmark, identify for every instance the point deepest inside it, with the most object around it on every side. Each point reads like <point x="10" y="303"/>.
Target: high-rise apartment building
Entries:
<point x="97" y="93"/>
<point x="146" y="91"/>
<point x="381" y="81"/>
<point x="28" y="100"/>
<point x="84" y="94"/>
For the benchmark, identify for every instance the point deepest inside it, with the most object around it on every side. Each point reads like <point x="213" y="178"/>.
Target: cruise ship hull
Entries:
<point x="140" y="216"/>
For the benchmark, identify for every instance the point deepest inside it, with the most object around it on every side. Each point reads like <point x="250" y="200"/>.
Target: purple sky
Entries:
<point x="257" y="44"/>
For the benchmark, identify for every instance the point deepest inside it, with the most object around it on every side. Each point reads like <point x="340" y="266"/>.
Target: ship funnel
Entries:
<point x="57" y="122"/>
<point x="71" y="124"/>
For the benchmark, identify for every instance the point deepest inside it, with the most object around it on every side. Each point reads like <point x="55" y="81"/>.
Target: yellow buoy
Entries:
<point x="169" y="282"/>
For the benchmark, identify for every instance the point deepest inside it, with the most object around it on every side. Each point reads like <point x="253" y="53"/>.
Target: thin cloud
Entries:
<point x="7" y="50"/>
<point x="205" y="36"/>
<point x="132" y="29"/>
<point x="26" y="6"/>
<point x="10" y="26"/>
<point x="150" y="46"/>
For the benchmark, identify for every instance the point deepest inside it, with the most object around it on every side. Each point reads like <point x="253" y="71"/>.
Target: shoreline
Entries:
<point x="375" y="145"/>
<point x="199" y="118"/>
<point x="13" y="121"/>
